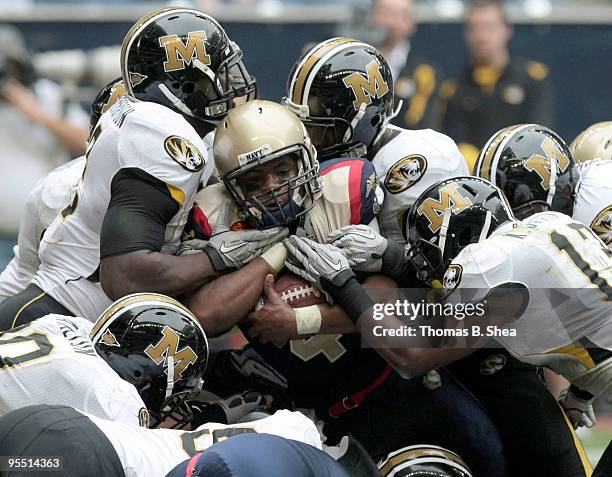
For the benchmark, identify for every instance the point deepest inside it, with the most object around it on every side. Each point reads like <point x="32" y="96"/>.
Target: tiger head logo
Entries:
<point x="452" y="277"/>
<point x="185" y="153"/>
<point x="602" y="225"/>
<point x="405" y="173"/>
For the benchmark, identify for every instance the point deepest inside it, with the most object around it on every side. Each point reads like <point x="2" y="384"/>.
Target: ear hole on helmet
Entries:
<point x="176" y="85"/>
<point x="188" y="88"/>
<point x="137" y="374"/>
<point x="465" y="238"/>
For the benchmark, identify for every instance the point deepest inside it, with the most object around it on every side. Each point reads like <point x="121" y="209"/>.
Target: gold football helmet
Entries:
<point x="595" y="142"/>
<point x="255" y="137"/>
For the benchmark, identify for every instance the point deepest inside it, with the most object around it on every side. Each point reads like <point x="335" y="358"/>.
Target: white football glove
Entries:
<point x="229" y="250"/>
<point x="368" y="251"/>
<point x="190" y="247"/>
<point x="320" y="264"/>
<point x="579" y="411"/>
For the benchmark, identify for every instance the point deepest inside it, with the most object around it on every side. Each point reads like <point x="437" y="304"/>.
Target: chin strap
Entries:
<point x="170" y="369"/>
<point x="444" y="229"/>
<point x="484" y="233"/>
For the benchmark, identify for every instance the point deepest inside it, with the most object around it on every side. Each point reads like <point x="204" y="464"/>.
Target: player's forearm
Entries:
<point x="408" y="361"/>
<point x="225" y="301"/>
<point x="73" y="138"/>
<point x="333" y="318"/>
<point x="145" y="271"/>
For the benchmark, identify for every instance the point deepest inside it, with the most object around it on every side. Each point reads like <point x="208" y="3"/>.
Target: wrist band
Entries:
<point x="308" y="320"/>
<point x="275" y="256"/>
<point x="351" y="297"/>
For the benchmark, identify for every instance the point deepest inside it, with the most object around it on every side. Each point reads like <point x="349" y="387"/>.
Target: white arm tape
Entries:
<point x="275" y="256"/>
<point x="308" y="320"/>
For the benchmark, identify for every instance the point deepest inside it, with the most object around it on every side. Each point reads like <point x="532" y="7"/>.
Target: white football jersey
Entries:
<point x="593" y="205"/>
<point x="50" y="194"/>
<point x="155" y="452"/>
<point x="52" y="361"/>
<point x="407" y="165"/>
<point x="131" y="134"/>
<point x="567" y="270"/>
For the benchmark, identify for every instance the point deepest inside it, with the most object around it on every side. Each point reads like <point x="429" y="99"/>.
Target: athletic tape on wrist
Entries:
<point x="308" y="320"/>
<point x="275" y="256"/>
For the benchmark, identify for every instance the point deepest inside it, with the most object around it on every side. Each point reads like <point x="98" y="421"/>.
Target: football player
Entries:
<point x="595" y="142"/>
<point x="535" y="260"/>
<point x="255" y="455"/>
<point x="44" y="202"/>
<point x="534" y="167"/>
<point x="145" y="162"/>
<point x="342" y="89"/>
<point x="91" y="446"/>
<point x="270" y="176"/>
<point x="141" y="361"/>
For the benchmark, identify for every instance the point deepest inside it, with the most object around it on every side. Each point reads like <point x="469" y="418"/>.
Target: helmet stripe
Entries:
<point x="483" y="167"/>
<point x="136" y="298"/>
<point x="307" y="67"/>
<point x="417" y="455"/>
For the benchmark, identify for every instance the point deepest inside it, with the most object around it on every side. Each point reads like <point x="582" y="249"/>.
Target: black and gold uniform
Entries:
<point x="417" y="86"/>
<point x="483" y="100"/>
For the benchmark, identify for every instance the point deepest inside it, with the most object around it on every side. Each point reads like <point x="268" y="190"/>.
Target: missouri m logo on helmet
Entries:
<point x="541" y="164"/>
<point x="449" y="199"/>
<point x="178" y="54"/>
<point x="167" y="347"/>
<point x="367" y="87"/>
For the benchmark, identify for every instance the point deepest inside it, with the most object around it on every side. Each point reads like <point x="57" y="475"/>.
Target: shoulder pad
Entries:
<point x="353" y="182"/>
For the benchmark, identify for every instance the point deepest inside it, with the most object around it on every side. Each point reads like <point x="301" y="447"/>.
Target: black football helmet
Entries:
<point x="448" y="216"/>
<point x="423" y="461"/>
<point x="533" y="166"/>
<point x="342" y="89"/>
<point x="155" y="343"/>
<point x="105" y="98"/>
<point x="183" y="59"/>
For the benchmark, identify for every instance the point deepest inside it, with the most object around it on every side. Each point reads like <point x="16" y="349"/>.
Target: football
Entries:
<point x="297" y="292"/>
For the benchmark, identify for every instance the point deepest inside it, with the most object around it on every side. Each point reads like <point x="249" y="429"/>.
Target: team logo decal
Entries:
<point x="449" y="198"/>
<point x="178" y="54"/>
<point x="185" y="153"/>
<point x="405" y="173"/>
<point x="365" y="88"/>
<point x="492" y="364"/>
<point x="144" y="418"/>
<point x="137" y="78"/>
<point x="168" y="346"/>
<point x="452" y="277"/>
<point x="540" y="164"/>
<point x="109" y="339"/>
<point x="602" y="225"/>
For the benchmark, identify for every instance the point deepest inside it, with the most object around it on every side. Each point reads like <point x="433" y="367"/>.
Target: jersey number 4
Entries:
<point x="20" y="347"/>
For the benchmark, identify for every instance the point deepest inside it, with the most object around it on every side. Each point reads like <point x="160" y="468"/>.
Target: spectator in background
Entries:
<point x="38" y="131"/>
<point x="495" y="90"/>
<point x="415" y="78"/>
